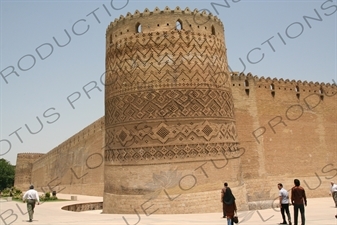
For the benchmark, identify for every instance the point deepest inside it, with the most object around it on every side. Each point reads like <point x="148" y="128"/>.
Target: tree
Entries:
<point x="7" y="174"/>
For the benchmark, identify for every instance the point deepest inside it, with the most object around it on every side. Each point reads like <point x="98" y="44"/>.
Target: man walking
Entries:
<point x="31" y="196"/>
<point x="299" y="200"/>
<point x="334" y="192"/>
<point x="284" y="203"/>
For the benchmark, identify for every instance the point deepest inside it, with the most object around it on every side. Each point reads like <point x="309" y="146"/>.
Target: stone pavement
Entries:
<point x="319" y="211"/>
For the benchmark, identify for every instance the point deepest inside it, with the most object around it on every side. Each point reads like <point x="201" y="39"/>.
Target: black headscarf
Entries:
<point x="228" y="197"/>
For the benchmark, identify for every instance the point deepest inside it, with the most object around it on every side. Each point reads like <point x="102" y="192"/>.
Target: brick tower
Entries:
<point x="171" y="138"/>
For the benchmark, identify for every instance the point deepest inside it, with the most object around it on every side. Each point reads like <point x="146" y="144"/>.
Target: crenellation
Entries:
<point x="294" y="89"/>
<point x="126" y="23"/>
<point x="74" y="140"/>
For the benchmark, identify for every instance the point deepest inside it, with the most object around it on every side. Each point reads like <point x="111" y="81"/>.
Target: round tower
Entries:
<point x="171" y="138"/>
<point x="23" y="169"/>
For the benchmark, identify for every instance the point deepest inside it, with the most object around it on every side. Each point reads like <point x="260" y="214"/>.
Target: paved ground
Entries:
<point x="319" y="211"/>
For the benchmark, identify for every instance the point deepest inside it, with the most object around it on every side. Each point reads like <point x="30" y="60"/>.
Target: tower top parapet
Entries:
<point x="158" y="21"/>
<point x="200" y="17"/>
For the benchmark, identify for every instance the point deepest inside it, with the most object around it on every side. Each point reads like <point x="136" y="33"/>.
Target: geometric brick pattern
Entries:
<point x="166" y="59"/>
<point x="151" y="142"/>
<point x="178" y="153"/>
<point x="167" y="89"/>
<point x="149" y="105"/>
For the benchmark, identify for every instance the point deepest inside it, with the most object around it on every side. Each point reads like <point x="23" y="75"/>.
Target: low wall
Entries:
<point x="84" y="207"/>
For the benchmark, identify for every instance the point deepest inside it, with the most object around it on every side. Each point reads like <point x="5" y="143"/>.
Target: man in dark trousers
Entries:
<point x="284" y="203"/>
<point x="299" y="200"/>
<point x="31" y="196"/>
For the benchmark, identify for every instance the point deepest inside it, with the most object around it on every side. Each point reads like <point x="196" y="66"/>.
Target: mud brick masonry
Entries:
<point x="178" y="124"/>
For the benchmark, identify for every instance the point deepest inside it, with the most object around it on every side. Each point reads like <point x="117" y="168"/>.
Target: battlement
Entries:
<point x="79" y="137"/>
<point x="199" y="22"/>
<point x="29" y="155"/>
<point x="239" y="79"/>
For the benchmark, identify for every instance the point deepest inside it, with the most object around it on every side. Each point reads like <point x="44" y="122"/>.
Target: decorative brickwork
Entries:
<point x="169" y="100"/>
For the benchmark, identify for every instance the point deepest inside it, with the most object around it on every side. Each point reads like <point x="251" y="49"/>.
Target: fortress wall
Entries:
<point x="23" y="169"/>
<point x="308" y="145"/>
<point x="75" y="166"/>
<point x="295" y="128"/>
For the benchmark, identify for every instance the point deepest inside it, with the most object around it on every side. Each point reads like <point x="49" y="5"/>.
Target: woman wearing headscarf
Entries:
<point x="229" y="204"/>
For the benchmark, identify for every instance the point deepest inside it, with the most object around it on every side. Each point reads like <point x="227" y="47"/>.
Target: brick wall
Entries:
<point x="75" y="166"/>
<point x="295" y="134"/>
<point x="23" y="169"/>
<point x="304" y="148"/>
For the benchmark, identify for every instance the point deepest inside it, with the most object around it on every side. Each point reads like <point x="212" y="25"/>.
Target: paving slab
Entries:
<point x="319" y="211"/>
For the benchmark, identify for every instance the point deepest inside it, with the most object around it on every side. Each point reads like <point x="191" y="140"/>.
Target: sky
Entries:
<point x="43" y="72"/>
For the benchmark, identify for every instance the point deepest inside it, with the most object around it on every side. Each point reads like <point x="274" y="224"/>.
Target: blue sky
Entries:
<point x="49" y="74"/>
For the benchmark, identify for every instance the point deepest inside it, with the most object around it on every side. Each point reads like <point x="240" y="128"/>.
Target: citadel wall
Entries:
<point x="303" y="146"/>
<point x="288" y="129"/>
<point x="23" y="169"/>
<point x="75" y="166"/>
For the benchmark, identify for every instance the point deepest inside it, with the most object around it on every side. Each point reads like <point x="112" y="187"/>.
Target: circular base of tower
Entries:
<point x="170" y="188"/>
<point x="169" y="203"/>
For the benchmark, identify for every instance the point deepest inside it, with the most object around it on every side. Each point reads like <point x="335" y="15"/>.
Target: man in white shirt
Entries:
<point x="333" y="191"/>
<point x="31" y="196"/>
<point x="284" y="203"/>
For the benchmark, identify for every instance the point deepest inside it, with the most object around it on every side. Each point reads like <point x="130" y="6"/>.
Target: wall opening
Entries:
<point x="110" y="38"/>
<point x="213" y="30"/>
<point x="297" y="89"/>
<point x="179" y="25"/>
<point x="272" y="90"/>
<point x="138" y="28"/>
<point x="321" y="92"/>
<point x="246" y="85"/>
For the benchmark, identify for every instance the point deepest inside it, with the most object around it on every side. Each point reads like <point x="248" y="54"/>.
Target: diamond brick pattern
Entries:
<point x="175" y="82"/>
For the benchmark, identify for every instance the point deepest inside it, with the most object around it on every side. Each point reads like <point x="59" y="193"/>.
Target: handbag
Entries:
<point x="235" y="218"/>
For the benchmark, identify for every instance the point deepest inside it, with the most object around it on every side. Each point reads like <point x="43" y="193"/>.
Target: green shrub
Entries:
<point x="46" y="197"/>
<point x="6" y="192"/>
<point x="12" y="192"/>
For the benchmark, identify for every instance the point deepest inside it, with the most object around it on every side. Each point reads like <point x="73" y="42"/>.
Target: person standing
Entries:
<point x="229" y="205"/>
<point x="299" y="200"/>
<point x="333" y="191"/>
<point x="31" y="196"/>
<point x="223" y="190"/>
<point x="284" y="203"/>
